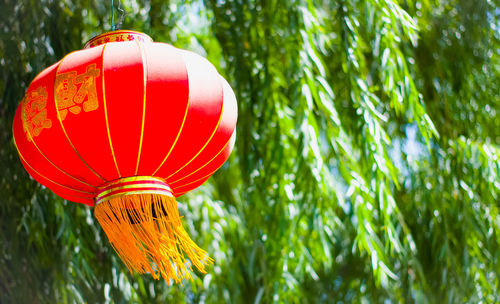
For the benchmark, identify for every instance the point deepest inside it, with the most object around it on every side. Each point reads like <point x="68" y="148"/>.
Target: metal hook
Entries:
<point x="123" y="14"/>
<point x="117" y="26"/>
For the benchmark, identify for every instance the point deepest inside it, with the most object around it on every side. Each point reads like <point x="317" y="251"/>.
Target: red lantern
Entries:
<point x="126" y="125"/>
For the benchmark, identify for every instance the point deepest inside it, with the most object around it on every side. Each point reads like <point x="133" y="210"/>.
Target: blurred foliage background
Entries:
<point x="366" y="168"/>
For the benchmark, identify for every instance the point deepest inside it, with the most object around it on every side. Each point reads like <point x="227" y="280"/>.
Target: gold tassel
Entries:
<point x="146" y="232"/>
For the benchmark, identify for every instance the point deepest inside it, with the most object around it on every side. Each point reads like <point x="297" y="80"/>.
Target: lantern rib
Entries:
<point x="176" y="138"/>
<point x="32" y="139"/>
<point x="144" y="65"/>
<point x="106" y="114"/>
<point x="208" y="141"/>
<point x="62" y="125"/>
<point x="208" y="162"/>
<point x="199" y="179"/>
<point x="45" y="177"/>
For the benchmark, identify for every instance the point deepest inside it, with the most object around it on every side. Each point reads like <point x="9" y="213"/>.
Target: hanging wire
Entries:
<point x="112" y="15"/>
<point x="123" y="14"/>
<point x="121" y="10"/>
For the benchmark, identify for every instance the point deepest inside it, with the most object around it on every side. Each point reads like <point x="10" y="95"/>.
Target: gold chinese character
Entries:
<point x="88" y="88"/>
<point x="72" y="90"/>
<point x="34" y="112"/>
<point x="65" y="91"/>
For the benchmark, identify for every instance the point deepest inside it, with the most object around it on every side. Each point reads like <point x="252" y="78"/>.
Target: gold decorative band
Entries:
<point x="132" y="185"/>
<point x="117" y="36"/>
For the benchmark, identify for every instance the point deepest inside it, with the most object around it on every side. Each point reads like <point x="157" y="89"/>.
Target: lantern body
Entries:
<point x="122" y="109"/>
<point x="126" y="116"/>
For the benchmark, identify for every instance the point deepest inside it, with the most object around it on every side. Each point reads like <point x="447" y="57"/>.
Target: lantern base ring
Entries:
<point x="132" y="185"/>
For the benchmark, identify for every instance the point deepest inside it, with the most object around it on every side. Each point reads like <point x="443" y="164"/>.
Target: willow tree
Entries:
<point x="366" y="165"/>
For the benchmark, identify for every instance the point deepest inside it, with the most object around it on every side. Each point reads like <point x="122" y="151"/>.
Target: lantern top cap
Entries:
<point x="117" y="36"/>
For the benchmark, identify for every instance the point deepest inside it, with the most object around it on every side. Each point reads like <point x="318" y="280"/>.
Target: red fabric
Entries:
<point x="48" y="153"/>
<point x="203" y="114"/>
<point x="166" y="103"/>
<point x="196" y="179"/>
<point x="218" y="141"/>
<point x="125" y="109"/>
<point x="86" y="130"/>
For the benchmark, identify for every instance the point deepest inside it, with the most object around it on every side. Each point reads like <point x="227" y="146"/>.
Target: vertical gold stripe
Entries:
<point x="26" y="162"/>
<point x="143" y="55"/>
<point x="184" y="185"/>
<point x="32" y="139"/>
<point x="202" y="148"/>
<point x="62" y="126"/>
<point x="106" y="114"/>
<point x="175" y="141"/>
<point x="178" y="134"/>
<point x="199" y="179"/>
<point x="208" y="162"/>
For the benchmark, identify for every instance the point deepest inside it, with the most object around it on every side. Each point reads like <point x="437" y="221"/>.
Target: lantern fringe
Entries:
<point x="146" y="232"/>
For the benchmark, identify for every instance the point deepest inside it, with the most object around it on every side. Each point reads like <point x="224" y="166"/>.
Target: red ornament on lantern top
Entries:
<point x="126" y="125"/>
